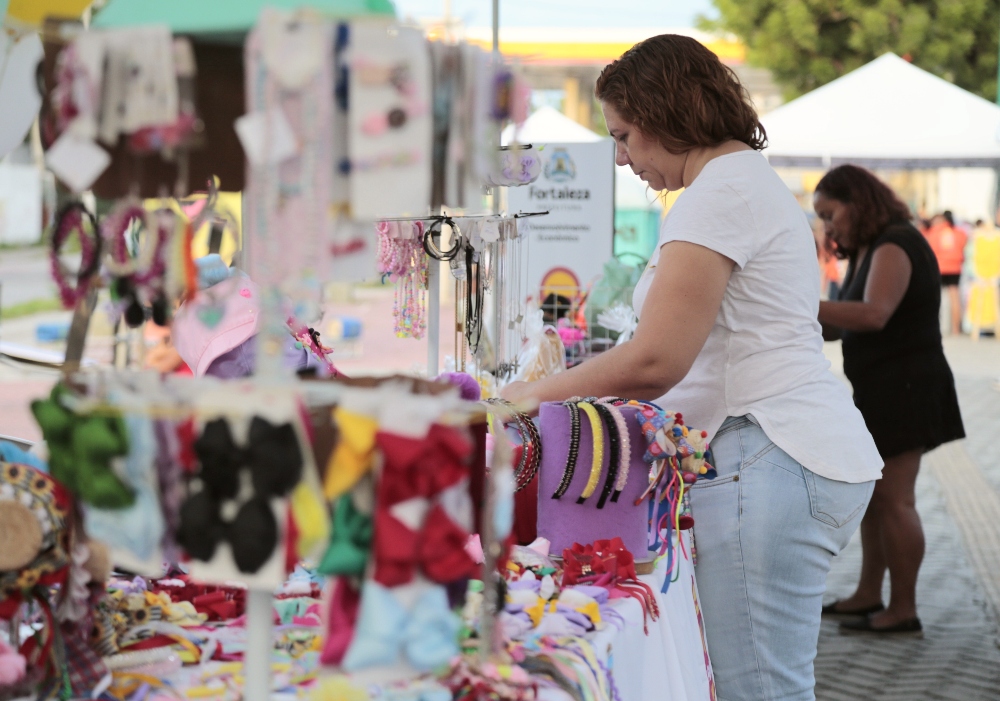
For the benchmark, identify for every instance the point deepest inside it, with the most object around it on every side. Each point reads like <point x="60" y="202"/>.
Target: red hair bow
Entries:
<point x="422" y="466"/>
<point x="608" y="563"/>
<point x="438" y="549"/>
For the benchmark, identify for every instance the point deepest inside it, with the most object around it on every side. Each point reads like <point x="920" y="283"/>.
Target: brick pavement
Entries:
<point x="959" y="656"/>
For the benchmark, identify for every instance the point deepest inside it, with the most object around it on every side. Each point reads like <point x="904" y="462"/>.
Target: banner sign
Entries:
<point x="566" y="250"/>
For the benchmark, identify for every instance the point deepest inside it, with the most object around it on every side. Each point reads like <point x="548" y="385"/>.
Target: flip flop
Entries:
<point x="908" y="628"/>
<point x="831" y="610"/>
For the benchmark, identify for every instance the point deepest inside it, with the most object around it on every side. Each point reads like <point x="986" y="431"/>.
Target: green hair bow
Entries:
<point x="351" y="540"/>
<point x="81" y="448"/>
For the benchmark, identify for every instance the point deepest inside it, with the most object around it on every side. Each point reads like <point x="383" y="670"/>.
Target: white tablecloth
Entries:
<point x="669" y="664"/>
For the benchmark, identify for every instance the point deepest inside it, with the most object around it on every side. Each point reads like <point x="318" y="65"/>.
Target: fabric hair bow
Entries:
<point x="608" y="563"/>
<point x="438" y="549"/>
<point x="274" y="460"/>
<point x="341" y="620"/>
<point x="422" y="466"/>
<point x="352" y="456"/>
<point x="409" y="530"/>
<point x="427" y="634"/>
<point x="351" y="540"/>
<point x="81" y="449"/>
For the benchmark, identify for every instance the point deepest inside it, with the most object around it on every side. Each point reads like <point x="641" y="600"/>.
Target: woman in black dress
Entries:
<point x="887" y="315"/>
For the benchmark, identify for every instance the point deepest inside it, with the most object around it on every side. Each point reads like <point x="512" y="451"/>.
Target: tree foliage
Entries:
<point x="806" y="43"/>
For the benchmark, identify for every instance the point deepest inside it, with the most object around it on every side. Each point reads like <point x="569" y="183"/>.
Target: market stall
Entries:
<point x="261" y="526"/>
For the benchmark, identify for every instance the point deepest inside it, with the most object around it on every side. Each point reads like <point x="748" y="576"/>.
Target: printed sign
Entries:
<point x="567" y="249"/>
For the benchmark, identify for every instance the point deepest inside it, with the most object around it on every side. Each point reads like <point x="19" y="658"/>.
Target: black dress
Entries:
<point x="903" y="385"/>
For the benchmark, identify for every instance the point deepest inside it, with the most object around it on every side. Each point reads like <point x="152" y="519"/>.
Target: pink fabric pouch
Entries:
<point x="563" y="521"/>
<point x="216" y="321"/>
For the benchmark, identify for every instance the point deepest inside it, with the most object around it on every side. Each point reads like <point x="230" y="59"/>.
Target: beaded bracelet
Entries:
<point x="597" y="431"/>
<point x="531" y="444"/>
<point x="615" y="462"/>
<point x="573" y="451"/>
<point x="626" y="447"/>
<point x="71" y="219"/>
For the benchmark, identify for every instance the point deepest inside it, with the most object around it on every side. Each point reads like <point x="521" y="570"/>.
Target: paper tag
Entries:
<point x="76" y="162"/>
<point x="491" y="230"/>
<point x="256" y="129"/>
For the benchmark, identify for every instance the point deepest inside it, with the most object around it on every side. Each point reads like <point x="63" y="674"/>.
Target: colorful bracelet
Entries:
<point x="597" y="432"/>
<point x="614" y="464"/>
<point x="70" y="219"/>
<point x="572" y="452"/>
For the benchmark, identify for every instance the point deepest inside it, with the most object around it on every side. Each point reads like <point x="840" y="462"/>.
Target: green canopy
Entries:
<point x="223" y="17"/>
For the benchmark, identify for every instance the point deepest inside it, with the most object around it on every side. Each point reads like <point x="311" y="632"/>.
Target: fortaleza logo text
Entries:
<point x="562" y="193"/>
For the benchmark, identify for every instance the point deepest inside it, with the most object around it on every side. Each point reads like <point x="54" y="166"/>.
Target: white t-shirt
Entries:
<point x="764" y="356"/>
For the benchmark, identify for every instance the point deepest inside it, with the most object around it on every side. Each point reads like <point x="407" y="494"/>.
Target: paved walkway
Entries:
<point x="958" y="594"/>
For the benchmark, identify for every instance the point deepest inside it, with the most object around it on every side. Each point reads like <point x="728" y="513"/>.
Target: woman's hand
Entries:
<point x="520" y="393"/>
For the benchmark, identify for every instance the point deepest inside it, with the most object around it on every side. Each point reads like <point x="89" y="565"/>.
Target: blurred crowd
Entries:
<point x="968" y="256"/>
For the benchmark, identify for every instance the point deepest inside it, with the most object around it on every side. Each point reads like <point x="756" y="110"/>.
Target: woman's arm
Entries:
<point x="888" y="278"/>
<point x="680" y="309"/>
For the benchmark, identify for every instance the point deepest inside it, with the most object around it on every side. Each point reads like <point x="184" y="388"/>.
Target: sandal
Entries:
<point x="832" y="610"/>
<point x="908" y="628"/>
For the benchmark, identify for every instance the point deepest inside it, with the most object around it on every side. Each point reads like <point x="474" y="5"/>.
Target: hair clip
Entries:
<point x="574" y="449"/>
<point x="377" y="123"/>
<point x="597" y="433"/>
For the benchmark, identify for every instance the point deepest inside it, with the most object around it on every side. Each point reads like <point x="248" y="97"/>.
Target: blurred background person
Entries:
<point x="888" y="316"/>
<point x="948" y="243"/>
<point x="983" y="264"/>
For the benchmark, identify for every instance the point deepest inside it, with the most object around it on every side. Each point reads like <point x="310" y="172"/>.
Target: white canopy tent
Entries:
<point x="886" y="114"/>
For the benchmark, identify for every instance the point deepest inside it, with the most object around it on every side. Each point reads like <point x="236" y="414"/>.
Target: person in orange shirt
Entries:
<point x="948" y="243"/>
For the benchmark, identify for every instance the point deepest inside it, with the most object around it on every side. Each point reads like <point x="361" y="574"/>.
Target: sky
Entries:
<point x="564" y="13"/>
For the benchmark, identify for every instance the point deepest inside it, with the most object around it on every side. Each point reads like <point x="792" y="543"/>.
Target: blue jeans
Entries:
<point x="765" y="531"/>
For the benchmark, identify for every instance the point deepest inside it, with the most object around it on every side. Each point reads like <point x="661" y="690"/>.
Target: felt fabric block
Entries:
<point x="563" y="521"/>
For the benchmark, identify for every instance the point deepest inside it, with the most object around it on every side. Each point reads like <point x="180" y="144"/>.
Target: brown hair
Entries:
<point x="672" y="88"/>
<point x="873" y="205"/>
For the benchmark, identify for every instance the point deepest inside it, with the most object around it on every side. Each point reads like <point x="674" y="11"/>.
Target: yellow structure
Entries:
<point x="32" y="12"/>
<point x="591" y="47"/>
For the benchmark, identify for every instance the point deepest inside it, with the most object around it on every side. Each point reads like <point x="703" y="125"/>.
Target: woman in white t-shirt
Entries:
<point x="728" y="335"/>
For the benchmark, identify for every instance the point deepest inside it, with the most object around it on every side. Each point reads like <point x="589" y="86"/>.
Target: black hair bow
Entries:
<point x="274" y="461"/>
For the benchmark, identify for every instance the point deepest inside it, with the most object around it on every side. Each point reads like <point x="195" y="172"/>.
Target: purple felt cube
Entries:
<point x="563" y="521"/>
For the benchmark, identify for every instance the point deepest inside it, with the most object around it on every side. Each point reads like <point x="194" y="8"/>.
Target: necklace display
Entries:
<point x="401" y="257"/>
